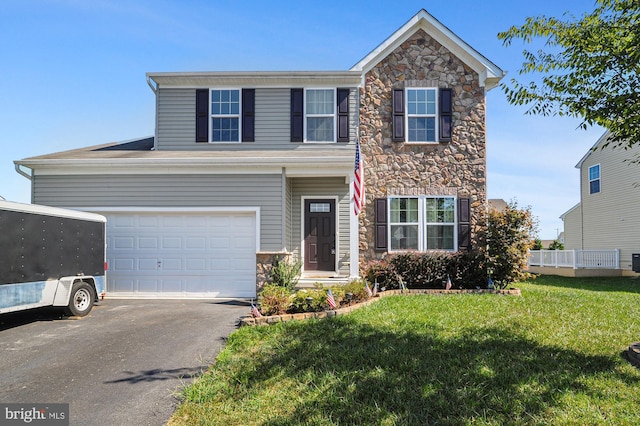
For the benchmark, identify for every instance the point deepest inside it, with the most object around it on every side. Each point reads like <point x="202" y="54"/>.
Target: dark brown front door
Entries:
<point x="319" y="235"/>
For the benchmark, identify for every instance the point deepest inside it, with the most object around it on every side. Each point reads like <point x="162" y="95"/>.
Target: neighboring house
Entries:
<point x="608" y="215"/>
<point x="245" y="166"/>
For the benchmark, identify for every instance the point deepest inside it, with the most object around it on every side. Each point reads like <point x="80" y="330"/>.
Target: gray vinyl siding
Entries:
<point x="610" y="218"/>
<point x="272" y="118"/>
<point x="318" y="188"/>
<point x="176" y="121"/>
<point x="264" y="191"/>
<point x="573" y="229"/>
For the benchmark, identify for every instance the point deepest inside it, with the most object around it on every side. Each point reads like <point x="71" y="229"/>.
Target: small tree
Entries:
<point x="285" y="273"/>
<point x="510" y="234"/>
<point x="556" y="245"/>
<point x="537" y="244"/>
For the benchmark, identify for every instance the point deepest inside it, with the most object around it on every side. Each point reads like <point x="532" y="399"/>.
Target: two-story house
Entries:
<point x="244" y="166"/>
<point x="608" y="214"/>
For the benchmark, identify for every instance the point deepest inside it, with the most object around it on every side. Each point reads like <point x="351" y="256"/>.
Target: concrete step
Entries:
<point x="310" y="281"/>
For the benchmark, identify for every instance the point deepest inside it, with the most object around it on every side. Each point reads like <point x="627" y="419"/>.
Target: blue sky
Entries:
<point x="72" y="74"/>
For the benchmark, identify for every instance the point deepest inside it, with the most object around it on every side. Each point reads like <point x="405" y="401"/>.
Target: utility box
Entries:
<point x="635" y="262"/>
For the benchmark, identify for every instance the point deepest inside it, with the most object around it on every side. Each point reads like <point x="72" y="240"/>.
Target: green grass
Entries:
<point x="552" y="356"/>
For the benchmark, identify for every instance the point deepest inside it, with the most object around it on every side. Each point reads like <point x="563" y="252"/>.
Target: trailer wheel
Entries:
<point x="81" y="300"/>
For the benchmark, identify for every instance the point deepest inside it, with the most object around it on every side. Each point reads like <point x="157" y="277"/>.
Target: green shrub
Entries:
<point x="383" y="272"/>
<point x="308" y="300"/>
<point x="357" y="289"/>
<point x="285" y="273"/>
<point x="274" y="300"/>
<point x="509" y="238"/>
<point x="429" y="270"/>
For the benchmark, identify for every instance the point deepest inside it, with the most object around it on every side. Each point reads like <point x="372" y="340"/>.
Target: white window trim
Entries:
<point x="435" y="116"/>
<point x="212" y="116"/>
<point x="422" y="223"/>
<point x="593" y="180"/>
<point x="334" y="115"/>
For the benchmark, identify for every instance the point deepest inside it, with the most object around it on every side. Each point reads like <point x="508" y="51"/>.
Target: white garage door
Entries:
<point x="181" y="255"/>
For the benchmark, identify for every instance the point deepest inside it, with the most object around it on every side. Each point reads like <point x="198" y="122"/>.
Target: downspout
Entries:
<point x="354" y="237"/>
<point x="154" y="89"/>
<point x="581" y="213"/>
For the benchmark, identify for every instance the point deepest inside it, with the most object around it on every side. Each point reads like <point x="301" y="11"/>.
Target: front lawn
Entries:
<point x="552" y="356"/>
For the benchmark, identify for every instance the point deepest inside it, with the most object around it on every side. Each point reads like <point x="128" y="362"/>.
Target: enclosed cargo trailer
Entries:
<point x="51" y="257"/>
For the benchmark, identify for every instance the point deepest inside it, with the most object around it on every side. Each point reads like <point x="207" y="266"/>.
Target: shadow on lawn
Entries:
<point x="355" y="374"/>
<point x="621" y="284"/>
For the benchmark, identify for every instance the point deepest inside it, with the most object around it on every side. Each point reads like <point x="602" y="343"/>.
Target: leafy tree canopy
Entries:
<point x="589" y="68"/>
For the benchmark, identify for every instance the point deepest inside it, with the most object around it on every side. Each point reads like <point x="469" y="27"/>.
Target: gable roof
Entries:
<point x="601" y="139"/>
<point x="490" y="74"/>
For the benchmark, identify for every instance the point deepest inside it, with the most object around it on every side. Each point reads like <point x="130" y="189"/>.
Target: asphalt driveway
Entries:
<point x="120" y="365"/>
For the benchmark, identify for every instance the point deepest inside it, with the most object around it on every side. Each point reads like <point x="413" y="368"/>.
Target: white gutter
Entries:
<point x="153" y="88"/>
<point x="22" y="172"/>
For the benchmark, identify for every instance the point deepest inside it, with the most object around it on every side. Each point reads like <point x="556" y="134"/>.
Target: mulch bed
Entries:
<point x="273" y="319"/>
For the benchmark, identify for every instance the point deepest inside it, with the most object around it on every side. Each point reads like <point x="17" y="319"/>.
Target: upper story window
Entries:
<point x="594" y="179"/>
<point x="225" y="115"/>
<point x="422" y="223"/>
<point x="320" y="107"/>
<point x="422" y="113"/>
<point x="320" y="115"/>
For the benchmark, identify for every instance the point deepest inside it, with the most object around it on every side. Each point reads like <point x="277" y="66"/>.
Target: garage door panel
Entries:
<point x="172" y="264"/>
<point x="181" y="255"/>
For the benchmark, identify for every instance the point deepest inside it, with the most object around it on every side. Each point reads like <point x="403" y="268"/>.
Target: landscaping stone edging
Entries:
<point x="273" y="319"/>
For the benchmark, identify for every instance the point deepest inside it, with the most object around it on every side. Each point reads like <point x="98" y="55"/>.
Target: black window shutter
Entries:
<point x="446" y="115"/>
<point x="398" y="115"/>
<point x="202" y="115"/>
<point x="297" y="115"/>
<point x="343" y="115"/>
<point x="464" y="224"/>
<point x="248" y="115"/>
<point x="380" y="206"/>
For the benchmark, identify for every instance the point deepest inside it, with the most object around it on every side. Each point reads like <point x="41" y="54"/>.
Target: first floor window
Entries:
<point x="594" y="179"/>
<point x="225" y="115"/>
<point x="422" y="223"/>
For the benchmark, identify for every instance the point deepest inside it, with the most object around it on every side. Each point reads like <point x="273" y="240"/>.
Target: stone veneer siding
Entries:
<point x="398" y="168"/>
<point x="264" y="264"/>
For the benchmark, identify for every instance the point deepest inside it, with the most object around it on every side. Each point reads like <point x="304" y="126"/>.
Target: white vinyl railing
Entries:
<point x="576" y="259"/>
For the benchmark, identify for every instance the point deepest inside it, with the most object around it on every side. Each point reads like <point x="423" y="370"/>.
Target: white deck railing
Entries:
<point x="576" y="259"/>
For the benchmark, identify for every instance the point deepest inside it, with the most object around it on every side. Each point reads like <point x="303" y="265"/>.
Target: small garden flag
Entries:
<point x="448" y="286"/>
<point x="330" y="300"/>
<point x="255" y="312"/>
<point x="490" y="283"/>
<point x="366" y="287"/>
<point x="375" y="288"/>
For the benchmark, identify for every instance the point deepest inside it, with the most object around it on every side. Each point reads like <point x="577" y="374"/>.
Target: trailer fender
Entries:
<point x="65" y="285"/>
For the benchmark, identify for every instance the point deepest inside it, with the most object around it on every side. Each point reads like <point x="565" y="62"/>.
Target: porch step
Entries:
<point x="310" y="281"/>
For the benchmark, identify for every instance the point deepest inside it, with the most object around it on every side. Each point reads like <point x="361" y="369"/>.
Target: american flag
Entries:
<point x="366" y="287"/>
<point x="448" y="286"/>
<point x="255" y="312"/>
<point x="330" y="300"/>
<point x="358" y="183"/>
<point x="375" y="288"/>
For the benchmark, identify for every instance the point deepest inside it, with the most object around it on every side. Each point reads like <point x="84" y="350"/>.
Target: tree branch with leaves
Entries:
<point x="588" y="68"/>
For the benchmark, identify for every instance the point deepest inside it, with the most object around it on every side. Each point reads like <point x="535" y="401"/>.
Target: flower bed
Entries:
<point x="250" y="320"/>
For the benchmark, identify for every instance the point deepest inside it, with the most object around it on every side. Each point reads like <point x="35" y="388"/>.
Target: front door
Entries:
<point x="319" y="235"/>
